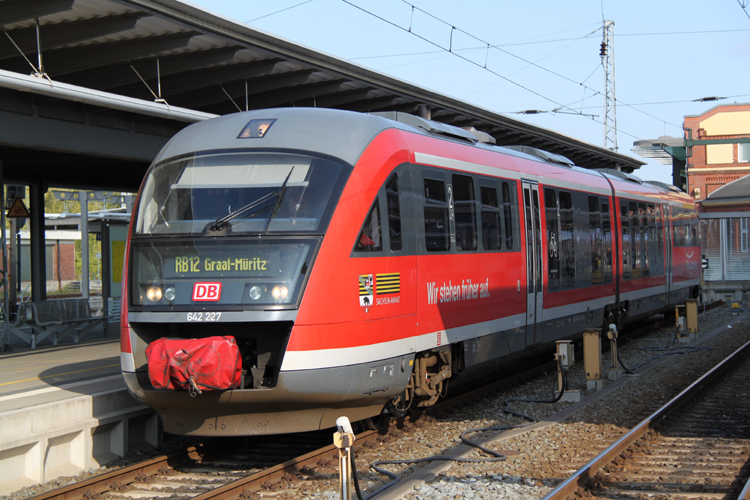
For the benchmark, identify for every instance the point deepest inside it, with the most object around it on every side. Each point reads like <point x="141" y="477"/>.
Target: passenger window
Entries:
<point x="679" y="228"/>
<point x="596" y="241"/>
<point x="643" y="217"/>
<point x="659" y="241"/>
<point x="490" y="219"/>
<point x="508" y="216"/>
<point x="691" y="238"/>
<point x="567" y="245"/>
<point x="466" y="213"/>
<point x="607" y="234"/>
<point x="436" y="229"/>
<point x="695" y="229"/>
<point x="369" y="238"/>
<point x="635" y="239"/>
<point x="394" y="213"/>
<point x="553" y="239"/>
<point x="627" y="252"/>
<point x="652" y="256"/>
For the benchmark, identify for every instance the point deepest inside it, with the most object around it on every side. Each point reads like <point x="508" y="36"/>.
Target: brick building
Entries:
<point x="718" y="148"/>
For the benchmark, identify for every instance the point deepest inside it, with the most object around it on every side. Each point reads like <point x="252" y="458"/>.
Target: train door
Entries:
<point x="668" y="252"/>
<point x="533" y="262"/>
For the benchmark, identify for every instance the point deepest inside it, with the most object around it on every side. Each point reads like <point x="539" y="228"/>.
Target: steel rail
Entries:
<point x="745" y="493"/>
<point x="587" y="472"/>
<point x="254" y="481"/>
<point x="103" y="482"/>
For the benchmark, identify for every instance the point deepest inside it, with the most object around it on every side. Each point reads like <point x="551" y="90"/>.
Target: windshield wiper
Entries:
<point x="223" y="221"/>
<point x="219" y="223"/>
<point x="280" y="193"/>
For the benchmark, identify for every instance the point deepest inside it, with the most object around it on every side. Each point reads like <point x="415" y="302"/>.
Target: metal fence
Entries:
<point x="725" y="244"/>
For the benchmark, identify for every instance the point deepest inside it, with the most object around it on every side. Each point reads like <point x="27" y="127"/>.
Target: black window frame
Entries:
<point x="465" y="212"/>
<point x="552" y="219"/>
<point x="436" y="205"/>
<point x="567" y="239"/>
<point x="393" y="207"/>
<point x="490" y="219"/>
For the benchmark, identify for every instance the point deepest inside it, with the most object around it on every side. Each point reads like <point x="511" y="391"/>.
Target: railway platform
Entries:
<point x="65" y="409"/>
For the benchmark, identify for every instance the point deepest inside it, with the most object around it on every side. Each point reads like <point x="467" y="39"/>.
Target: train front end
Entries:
<point x="229" y="220"/>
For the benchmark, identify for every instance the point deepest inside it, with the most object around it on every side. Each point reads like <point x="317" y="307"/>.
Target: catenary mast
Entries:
<point x="610" y="101"/>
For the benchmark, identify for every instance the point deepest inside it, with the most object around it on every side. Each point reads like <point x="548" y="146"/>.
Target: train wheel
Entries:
<point x="399" y="405"/>
<point x="375" y="423"/>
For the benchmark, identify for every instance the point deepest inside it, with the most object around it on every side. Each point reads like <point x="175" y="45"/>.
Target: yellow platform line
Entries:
<point x="59" y="374"/>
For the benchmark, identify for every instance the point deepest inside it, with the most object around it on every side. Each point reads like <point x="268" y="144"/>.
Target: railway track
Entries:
<point x="695" y="446"/>
<point x="215" y="471"/>
<point x="218" y="472"/>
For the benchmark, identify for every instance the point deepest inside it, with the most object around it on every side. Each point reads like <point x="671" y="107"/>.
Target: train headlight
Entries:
<point x="255" y="292"/>
<point x="169" y="294"/>
<point x="154" y="293"/>
<point x="280" y="292"/>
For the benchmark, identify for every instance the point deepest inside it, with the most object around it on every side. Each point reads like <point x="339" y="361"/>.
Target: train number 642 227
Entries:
<point x="203" y="316"/>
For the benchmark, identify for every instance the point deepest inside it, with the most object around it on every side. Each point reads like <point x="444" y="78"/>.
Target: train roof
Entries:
<point x="337" y="133"/>
<point x="346" y="134"/>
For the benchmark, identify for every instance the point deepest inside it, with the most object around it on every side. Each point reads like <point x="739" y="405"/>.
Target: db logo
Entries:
<point x="207" y="291"/>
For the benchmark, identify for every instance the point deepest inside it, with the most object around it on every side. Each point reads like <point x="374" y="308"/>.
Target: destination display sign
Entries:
<point x="224" y="264"/>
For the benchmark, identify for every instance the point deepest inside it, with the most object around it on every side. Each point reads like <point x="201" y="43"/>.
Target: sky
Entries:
<point x="543" y="55"/>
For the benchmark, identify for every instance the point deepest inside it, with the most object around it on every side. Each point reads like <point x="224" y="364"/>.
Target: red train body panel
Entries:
<point x="362" y="262"/>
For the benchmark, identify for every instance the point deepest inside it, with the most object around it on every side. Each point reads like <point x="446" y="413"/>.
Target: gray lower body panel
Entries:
<point x="300" y="401"/>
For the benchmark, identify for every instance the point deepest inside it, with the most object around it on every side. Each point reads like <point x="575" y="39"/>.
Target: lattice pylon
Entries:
<point x="610" y="101"/>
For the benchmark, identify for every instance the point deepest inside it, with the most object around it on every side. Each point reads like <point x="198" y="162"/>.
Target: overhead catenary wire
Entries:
<point x="530" y="63"/>
<point x="538" y="94"/>
<point x="456" y="54"/>
<point x="278" y="11"/>
<point x="744" y="7"/>
<point x="556" y="40"/>
<point x="486" y="45"/>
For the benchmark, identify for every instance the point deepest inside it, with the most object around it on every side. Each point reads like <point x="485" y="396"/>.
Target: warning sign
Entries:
<point x="18" y="209"/>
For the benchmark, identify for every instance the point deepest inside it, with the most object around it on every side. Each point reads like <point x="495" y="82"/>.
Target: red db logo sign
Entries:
<point x="207" y="291"/>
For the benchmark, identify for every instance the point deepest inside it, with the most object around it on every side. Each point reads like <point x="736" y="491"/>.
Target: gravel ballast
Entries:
<point x="536" y="459"/>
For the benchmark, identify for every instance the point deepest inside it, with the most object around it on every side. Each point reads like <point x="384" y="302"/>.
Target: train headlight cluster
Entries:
<point x="263" y="293"/>
<point x="280" y="292"/>
<point x="154" y="293"/>
<point x="255" y="292"/>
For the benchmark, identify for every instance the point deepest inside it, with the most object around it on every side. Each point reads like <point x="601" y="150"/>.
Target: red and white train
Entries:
<point x="361" y="261"/>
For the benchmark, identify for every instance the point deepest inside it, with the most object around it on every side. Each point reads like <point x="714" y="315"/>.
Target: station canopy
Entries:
<point x="119" y="77"/>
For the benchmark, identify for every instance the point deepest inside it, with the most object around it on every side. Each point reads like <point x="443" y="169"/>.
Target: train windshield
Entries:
<point x="238" y="192"/>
